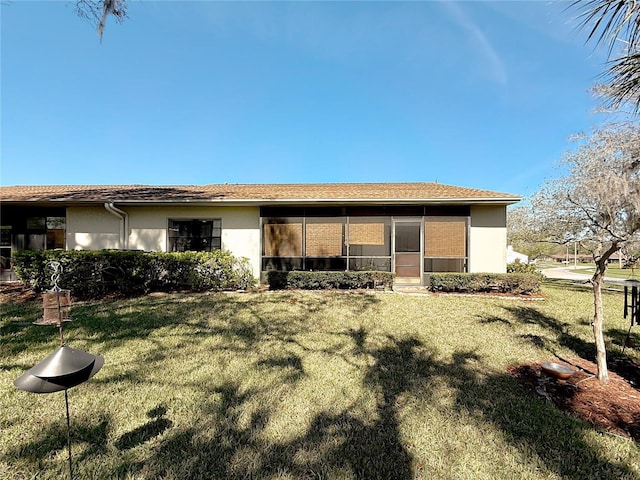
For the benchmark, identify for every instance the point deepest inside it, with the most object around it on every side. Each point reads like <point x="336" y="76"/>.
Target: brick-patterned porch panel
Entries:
<point x="366" y="234"/>
<point x="324" y="239"/>
<point x="283" y="240"/>
<point x="445" y="238"/>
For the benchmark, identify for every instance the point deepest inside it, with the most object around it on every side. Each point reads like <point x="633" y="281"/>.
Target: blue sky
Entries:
<point x="477" y="94"/>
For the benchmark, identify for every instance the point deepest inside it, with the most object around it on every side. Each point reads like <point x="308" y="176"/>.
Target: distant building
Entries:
<point x="513" y="256"/>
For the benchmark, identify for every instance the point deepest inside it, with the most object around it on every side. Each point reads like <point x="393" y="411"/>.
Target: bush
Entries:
<point x="519" y="267"/>
<point x="329" y="280"/>
<point x="92" y="274"/>
<point x="515" y="283"/>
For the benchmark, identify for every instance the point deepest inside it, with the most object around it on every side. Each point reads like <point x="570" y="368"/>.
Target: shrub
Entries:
<point x="329" y="280"/>
<point x="91" y="274"/>
<point x="516" y="283"/>
<point x="519" y="267"/>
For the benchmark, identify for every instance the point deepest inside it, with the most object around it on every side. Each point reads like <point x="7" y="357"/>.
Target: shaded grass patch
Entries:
<point x="309" y="385"/>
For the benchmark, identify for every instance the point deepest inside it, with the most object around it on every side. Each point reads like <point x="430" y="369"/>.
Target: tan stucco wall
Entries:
<point x="488" y="239"/>
<point x="93" y="228"/>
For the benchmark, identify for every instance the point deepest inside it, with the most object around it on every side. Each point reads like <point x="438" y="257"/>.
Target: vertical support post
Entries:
<point x="60" y="318"/>
<point x="66" y="401"/>
<point x="631" y="308"/>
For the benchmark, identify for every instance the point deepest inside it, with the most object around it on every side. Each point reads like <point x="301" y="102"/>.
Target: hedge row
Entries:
<point x="516" y="283"/>
<point x="329" y="280"/>
<point x="92" y="274"/>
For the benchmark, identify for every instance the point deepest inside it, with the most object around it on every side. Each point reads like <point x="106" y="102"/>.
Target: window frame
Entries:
<point x="216" y="227"/>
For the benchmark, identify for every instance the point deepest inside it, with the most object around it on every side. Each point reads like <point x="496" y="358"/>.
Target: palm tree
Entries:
<point x="615" y="23"/>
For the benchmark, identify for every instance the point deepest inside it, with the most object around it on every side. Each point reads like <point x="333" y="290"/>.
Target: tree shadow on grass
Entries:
<point x="334" y="445"/>
<point x="557" y="328"/>
<point x="229" y="440"/>
<point x="532" y="424"/>
<point x="88" y="434"/>
<point x="146" y="432"/>
<point x="232" y="445"/>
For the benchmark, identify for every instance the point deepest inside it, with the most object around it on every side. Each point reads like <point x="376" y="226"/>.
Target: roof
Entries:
<point x="259" y="194"/>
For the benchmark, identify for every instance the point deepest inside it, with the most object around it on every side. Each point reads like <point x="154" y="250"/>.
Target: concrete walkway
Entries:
<point x="569" y="273"/>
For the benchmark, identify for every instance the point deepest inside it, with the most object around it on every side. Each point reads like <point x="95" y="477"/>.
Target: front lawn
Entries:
<point x="290" y="385"/>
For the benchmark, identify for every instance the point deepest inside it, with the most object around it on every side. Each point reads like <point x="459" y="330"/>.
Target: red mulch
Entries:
<point x="613" y="406"/>
<point x="16" y="292"/>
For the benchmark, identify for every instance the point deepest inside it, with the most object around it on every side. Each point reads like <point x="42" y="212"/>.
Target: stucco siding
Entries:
<point x="92" y="228"/>
<point x="488" y="239"/>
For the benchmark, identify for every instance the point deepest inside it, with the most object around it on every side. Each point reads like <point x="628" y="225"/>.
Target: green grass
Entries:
<point x="291" y="385"/>
<point x="616" y="272"/>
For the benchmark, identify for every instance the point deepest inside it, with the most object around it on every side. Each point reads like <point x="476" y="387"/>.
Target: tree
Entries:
<point x="97" y="11"/>
<point x="522" y="235"/>
<point x="616" y="23"/>
<point x="597" y="204"/>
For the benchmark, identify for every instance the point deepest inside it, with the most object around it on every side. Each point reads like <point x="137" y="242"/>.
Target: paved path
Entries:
<point x="569" y="273"/>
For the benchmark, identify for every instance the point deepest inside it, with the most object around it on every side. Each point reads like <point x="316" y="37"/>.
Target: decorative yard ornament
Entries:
<point x="631" y="307"/>
<point x="56" y="302"/>
<point x="66" y="367"/>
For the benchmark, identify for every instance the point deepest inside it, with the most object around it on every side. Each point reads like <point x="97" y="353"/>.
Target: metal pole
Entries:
<point x="66" y="401"/>
<point x="60" y="318"/>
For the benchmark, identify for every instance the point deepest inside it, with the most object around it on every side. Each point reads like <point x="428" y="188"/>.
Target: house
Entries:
<point x="411" y="229"/>
<point x="513" y="256"/>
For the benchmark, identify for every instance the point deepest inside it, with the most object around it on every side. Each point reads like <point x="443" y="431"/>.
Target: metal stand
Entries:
<point x="631" y="307"/>
<point x="66" y="401"/>
<point x="65" y="368"/>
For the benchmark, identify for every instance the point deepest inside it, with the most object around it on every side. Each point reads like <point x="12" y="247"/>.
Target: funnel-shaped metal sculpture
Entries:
<point x="64" y="368"/>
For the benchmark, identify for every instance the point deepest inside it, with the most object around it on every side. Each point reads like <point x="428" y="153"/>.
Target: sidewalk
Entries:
<point x="569" y="273"/>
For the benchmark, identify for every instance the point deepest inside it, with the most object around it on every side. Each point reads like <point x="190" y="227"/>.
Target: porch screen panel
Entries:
<point x="283" y="239"/>
<point x="324" y="239"/>
<point x="366" y="233"/>
<point x="370" y="243"/>
<point x="445" y="238"/>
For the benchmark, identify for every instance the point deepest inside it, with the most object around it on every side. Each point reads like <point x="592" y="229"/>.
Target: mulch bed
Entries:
<point x="16" y="292"/>
<point x="613" y="406"/>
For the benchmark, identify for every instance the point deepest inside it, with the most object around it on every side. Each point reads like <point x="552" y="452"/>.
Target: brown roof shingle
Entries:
<point x="253" y="193"/>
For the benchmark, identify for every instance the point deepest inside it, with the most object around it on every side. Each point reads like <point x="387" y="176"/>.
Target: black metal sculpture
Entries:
<point x="631" y="306"/>
<point x="66" y="367"/>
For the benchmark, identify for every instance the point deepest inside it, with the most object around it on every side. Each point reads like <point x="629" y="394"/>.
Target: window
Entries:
<point x="45" y="233"/>
<point x="328" y="243"/>
<point x="282" y="237"/>
<point x="370" y="243"/>
<point x="324" y="237"/>
<point x="445" y="244"/>
<point x="282" y="243"/>
<point x="5" y="247"/>
<point x="195" y="235"/>
<point x="56" y="227"/>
